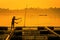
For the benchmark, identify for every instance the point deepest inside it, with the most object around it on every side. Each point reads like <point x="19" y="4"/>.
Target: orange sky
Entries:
<point x="51" y="19"/>
<point x="20" y="4"/>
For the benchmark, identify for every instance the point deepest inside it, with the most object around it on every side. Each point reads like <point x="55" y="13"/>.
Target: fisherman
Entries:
<point x="13" y="21"/>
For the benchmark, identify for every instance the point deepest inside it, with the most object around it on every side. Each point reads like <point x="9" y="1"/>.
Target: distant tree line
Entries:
<point x="56" y="10"/>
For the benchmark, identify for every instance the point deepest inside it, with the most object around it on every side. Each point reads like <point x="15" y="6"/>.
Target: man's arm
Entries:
<point x="18" y="18"/>
<point x="16" y="22"/>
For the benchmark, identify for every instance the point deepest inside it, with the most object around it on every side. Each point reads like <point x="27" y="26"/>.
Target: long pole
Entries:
<point x="25" y="16"/>
<point x="53" y="32"/>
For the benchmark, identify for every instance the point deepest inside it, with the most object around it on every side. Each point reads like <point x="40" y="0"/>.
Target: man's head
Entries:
<point x="13" y="16"/>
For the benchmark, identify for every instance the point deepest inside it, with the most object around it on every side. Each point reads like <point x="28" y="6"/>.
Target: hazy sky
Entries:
<point x="51" y="19"/>
<point x="19" y="4"/>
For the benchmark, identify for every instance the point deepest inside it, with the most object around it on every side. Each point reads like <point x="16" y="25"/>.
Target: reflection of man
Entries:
<point x="13" y="21"/>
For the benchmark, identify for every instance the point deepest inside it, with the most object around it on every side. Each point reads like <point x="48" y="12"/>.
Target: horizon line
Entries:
<point x="27" y="8"/>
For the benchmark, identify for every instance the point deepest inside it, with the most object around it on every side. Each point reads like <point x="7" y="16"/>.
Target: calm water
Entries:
<point x="20" y="34"/>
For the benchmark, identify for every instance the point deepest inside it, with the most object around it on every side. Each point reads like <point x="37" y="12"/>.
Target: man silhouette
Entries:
<point x="13" y="21"/>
